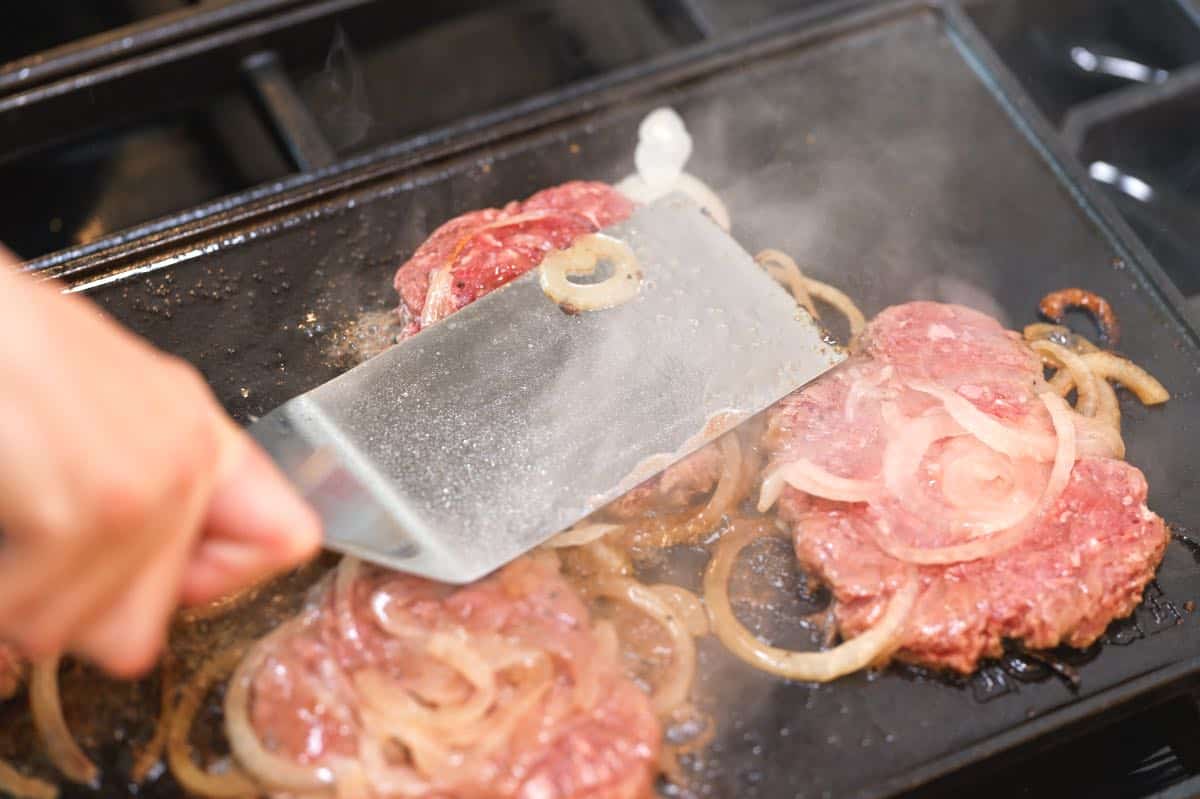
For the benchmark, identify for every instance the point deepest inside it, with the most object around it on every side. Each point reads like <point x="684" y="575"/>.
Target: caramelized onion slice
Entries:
<point x="686" y="606"/>
<point x="676" y="684"/>
<point x="806" y="476"/>
<point x="785" y="271"/>
<point x="60" y="745"/>
<point x="582" y="258"/>
<point x="999" y="542"/>
<point x="1084" y="380"/>
<point x="869" y="648"/>
<point x="14" y="783"/>
<point x="1143" y="384"/>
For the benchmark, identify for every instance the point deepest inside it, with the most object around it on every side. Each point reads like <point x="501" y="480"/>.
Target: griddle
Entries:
<point x="892" y="154"/>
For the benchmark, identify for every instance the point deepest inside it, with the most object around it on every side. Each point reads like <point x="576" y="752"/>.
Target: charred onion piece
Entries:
<point x="1054" y="306"/>
<point x="870" y="647"/>
<point x="46" y="704"/>
<point x="582" y="258"/>
<point x="14" y="783"/>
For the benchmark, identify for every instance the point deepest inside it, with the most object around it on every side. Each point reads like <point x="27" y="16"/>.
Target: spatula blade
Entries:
<point x="464" y="447"/>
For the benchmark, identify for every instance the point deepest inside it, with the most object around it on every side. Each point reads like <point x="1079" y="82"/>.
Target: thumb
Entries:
<point x="256" y="526"/>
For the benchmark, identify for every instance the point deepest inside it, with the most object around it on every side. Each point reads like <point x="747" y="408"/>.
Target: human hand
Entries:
<point x="124" y="488"/>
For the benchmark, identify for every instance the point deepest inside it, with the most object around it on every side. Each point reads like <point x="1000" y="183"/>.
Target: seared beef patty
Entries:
<point x="479" y="251"/>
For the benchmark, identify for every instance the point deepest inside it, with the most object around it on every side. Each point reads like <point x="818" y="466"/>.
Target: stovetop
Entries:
<point x="297" y="88"/>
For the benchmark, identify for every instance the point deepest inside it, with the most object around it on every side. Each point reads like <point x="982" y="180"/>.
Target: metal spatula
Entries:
<point x="473" y="442"/>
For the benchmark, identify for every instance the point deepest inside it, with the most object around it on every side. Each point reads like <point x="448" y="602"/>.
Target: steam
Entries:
<point x="339" y="95"/>
<point x="663" y="149"/>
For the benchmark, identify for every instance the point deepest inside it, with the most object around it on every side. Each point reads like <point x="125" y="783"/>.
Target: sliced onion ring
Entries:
<point x="676" y="684"/>
<point x="859" y="652"/>
<point x="1013" y="442"/>
<point x="582" y="258"/>
<point x="996" y="543"/>
<point x="806" y="476"/>
<point x="901" y="468"/>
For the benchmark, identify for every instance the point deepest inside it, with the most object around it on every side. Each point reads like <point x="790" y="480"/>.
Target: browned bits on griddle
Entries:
<point x="1055" y="305"/>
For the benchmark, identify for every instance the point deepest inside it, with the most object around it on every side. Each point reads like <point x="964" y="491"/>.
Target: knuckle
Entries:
<point x="135" y="657"/>
<point x="123" y="501"/>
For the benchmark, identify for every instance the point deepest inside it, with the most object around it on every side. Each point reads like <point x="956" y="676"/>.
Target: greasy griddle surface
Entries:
<point x="882" y="163"/>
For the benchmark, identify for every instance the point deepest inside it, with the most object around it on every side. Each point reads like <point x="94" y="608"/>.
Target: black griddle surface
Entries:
<point x="884" y="163"/>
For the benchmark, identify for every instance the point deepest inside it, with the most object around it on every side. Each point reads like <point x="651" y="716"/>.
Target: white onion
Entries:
<point x="859" y="652"/>
<point x="996" y="543"/>
<point x="582" y="258"/>
<point x="1011" y="441"/>
<point x="902" y="469"/>
<point x="812" y="479"/>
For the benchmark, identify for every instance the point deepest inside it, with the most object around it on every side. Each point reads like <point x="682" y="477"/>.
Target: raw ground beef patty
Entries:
<point x="1083" y="560"/>
<point x="399" y="686"/>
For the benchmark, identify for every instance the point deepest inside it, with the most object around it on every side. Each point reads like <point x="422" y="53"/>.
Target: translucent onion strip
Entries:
<point x="999" y="542"/>
<point x="806" y="476"/>
<point x="871" y="647"/>
<point x="146" y="760"/>
<point x="60" y="745"/>
<point x="991" y="431"/>
<point x="582" y="258"/>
